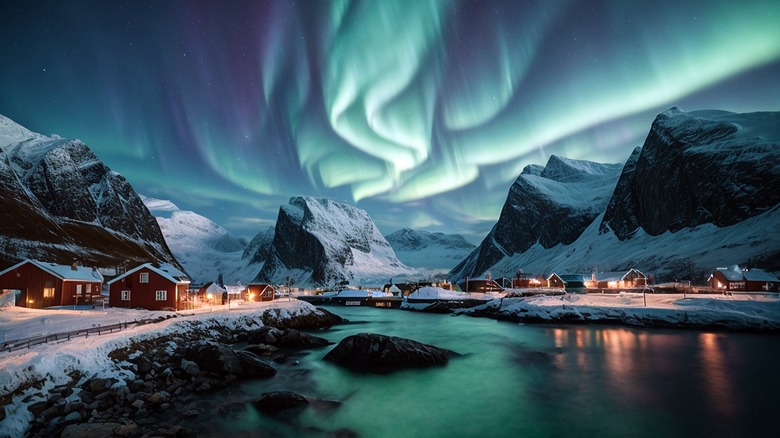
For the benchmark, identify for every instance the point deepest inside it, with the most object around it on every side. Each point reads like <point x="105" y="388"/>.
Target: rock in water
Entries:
<point x="280" y="402"/>
<point x="375" y="353"/>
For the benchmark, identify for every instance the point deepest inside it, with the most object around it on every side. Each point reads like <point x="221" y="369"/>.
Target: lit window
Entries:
<point x="161" y="295"/>
<point x="144" y="277"/>
<point x="125" y="295"/>
<point x="48" y="292"/>
<point x="78" y="289"/>
<point x="89" y="289"/>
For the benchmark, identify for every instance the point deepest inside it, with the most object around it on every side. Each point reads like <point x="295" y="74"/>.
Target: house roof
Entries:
<point x="616" y="275"/>
<point x="165" y="270"/>
<point x="64" y="272"/>
<point x="732" y="273"/>
<point x="759" y="275"/>
<point x="214" y="288"/>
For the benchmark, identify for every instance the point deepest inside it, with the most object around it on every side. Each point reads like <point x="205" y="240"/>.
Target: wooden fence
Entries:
<point x="19" y="344"/>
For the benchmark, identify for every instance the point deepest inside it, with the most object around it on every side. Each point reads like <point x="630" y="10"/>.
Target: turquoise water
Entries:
<point x="531" y="380"/>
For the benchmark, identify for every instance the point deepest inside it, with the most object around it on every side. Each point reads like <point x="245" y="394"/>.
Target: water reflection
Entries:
<point x="718" y="385"/>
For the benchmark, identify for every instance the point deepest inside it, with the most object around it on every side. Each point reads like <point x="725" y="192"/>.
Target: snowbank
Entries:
<point x="748" y="312"/>
<point x="50" y="364"/>
<point x="437" y="293"/>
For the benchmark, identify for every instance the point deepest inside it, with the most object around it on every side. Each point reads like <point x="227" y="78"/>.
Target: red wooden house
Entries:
<point x="555" y="281"/>
<point x="260" y="292"/>
<point x="41" y="284"/>
<point x="149" y="287"/>
<point x="735" y="278"/>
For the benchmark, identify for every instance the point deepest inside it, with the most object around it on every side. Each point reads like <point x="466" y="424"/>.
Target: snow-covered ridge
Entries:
<point x="699" y="193"/>
<point x="205" y="249"/>
<point x="12" y="132"/>
<point x="321" y="242"/>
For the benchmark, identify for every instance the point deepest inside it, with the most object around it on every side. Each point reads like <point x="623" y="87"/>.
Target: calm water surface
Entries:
<point x="531" y="380"/>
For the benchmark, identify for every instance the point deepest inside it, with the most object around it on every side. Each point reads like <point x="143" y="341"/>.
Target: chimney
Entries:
<point x="75" y="265"/>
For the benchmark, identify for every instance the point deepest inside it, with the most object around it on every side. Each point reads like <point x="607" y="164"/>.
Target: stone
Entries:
<point x="138" y="404"/>
<point x="73" y="417"/>
<point x="281" y="402"/>
<point x="369" y="352"/>
<point x="190" y="367"/>
<point x="253" y="366"/>
<point x="90" y="430"/>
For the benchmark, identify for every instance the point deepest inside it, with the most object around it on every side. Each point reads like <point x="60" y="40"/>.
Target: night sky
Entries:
<point x="422" y="113"/>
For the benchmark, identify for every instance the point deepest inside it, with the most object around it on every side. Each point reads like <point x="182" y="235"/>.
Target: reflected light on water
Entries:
<point x="717" y="383"/>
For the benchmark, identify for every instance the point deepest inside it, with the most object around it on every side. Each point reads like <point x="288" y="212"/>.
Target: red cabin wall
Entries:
<point x="31" y="280"/>
<point x="143" y="294"/>
<point x="260" y="292"/>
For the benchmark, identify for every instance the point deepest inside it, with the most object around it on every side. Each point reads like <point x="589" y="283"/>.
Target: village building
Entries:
<point x="522" y="280"/>
<point x="737" y="279"/>
<point x="555" y="280"/>
<point x="260" y="292"/>
<point x="481" y="285"/>
<point x="39" y="284"/>
<point x="149" y="287"/>
<point x="211" y="292"/>
<point x="617" y="280"/>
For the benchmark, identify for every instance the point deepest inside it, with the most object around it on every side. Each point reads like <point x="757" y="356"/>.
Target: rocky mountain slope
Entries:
<point x="204" y="248"/>
<point x="701" y="192"/>
<point x="59" y="201"/>
<point x="427" y="250"/>
<point x="549" y="206"/>
<point x="320" y="242"/>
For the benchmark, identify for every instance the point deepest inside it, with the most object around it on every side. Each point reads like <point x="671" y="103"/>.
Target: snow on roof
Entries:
<point x="64" y="272"/>
<point x="732" y="273"/>
<point x="572" y="277"/>
<point x="215" y="288"/>
<point x="165" y="270"/>
<point x="759" y="275"/>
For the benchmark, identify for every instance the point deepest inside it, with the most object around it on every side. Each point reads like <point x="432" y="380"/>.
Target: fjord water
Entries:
<point x="516" y="380"/>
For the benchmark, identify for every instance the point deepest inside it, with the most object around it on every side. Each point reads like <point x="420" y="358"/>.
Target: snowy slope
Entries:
<point x="320" y="242"/>
<point x="700" y="193"/>
<point x="203" y="247"/>
<point x="436" y="252"/>
<point x="59" y="201"/>
<point x="545" y="206"/>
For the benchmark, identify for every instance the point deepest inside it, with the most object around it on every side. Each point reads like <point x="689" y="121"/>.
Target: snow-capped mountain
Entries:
<point x="700" y="193"/>
<point x="549" y="206"/>
<point x="321" y="242"/>
<point x="204" y="248"/>
<point x="427" y="250"/>
<point x="59" y="201"/>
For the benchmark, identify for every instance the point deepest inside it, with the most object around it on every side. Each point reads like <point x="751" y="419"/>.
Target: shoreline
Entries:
<point x="99" y="383"/>
<point x="43" y="385"/>
<point x="668" y="311"/>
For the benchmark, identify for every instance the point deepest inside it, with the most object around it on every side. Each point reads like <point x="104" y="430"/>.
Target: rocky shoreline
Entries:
<point x="167" y="379"/>
<point x="526" y="310"/>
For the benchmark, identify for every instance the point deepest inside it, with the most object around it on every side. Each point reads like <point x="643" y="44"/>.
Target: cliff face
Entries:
<point x="322" y="242"/>
<point x="64" y="202"/>
<point x="549" y="206"/>
<point x="700" y="192"/>
<point x="696" y="168"/>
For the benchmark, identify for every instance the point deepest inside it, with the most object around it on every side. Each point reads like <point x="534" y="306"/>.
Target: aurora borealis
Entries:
<point x="421" y="112"/>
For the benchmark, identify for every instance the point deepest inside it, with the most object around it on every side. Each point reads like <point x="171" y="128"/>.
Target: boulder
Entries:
<point x="280" y="402"/>
<point x="253" y="366"/>
<point x="90" y="430"/>
<point x="375" y="353"/>
<point x="214" y="358"/>
<point x="286" y="338"/>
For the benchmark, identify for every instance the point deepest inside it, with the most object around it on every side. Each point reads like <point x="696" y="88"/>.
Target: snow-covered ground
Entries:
<point x="50" y="363"/>
<point x="737" y="312"/>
